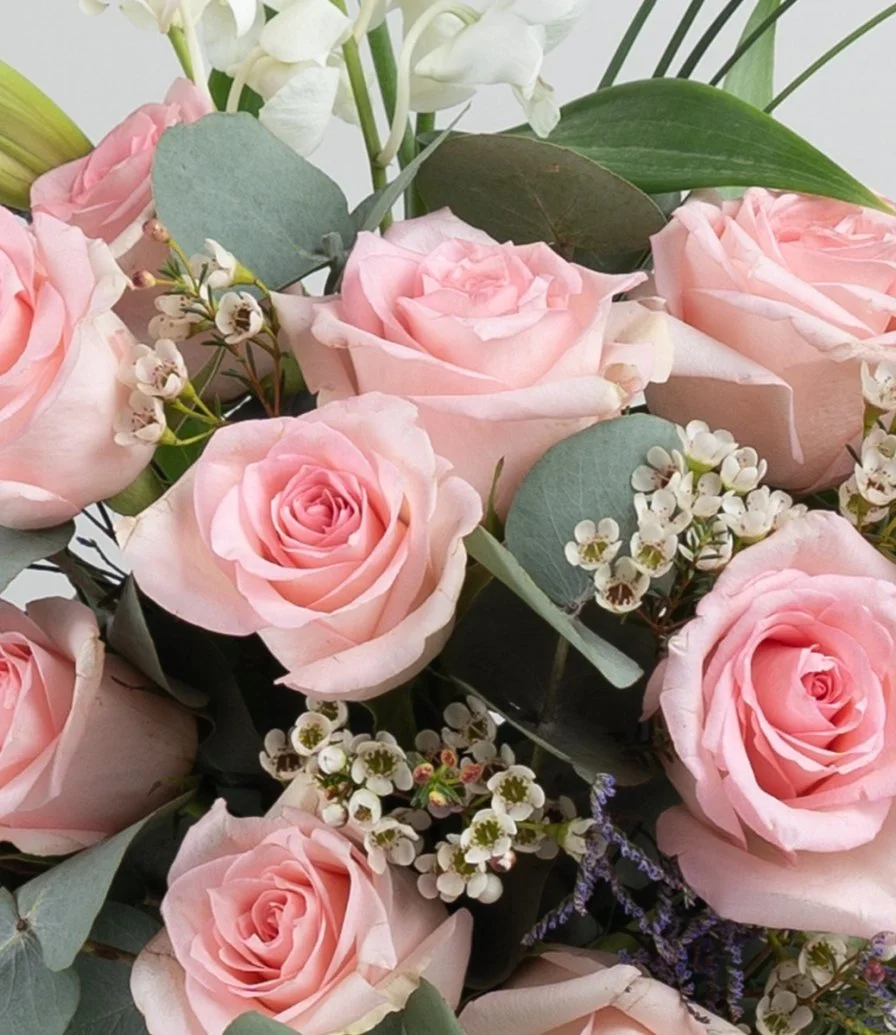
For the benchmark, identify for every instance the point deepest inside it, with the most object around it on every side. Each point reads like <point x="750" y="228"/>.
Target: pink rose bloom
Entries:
<point x="574" y="992"/>
<point x="61" y="347"/>
<point x="779" y="701"/>
<point x="504" y="350"/>
<point x="781" y="298"/>
<point x="283" y="916"/>
<point x="84" y="752"/>
<point x="338" y="536"/>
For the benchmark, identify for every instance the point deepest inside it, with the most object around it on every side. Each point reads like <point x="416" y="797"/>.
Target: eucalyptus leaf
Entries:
<point x="752" y="79"/>
<point x="258" y="198"/>
<point x="527" y="190"/>
<point x="33" y="999"/>
<point x="620" y="670"/>
<point x="144" y="490"/>
<point x="586" y="476"/>
<point x="427" y="1013"/>
<point x="675" y="134"/>
<point x="256" y="1024"/>
<point x="20" y="547"/>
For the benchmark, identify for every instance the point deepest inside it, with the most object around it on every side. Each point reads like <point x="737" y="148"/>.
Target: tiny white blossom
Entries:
<point x="457" y="874"/>
<point x="708" y="548"/>
<point x="852" y="504"/>
<point x="532" y="839"/>
<point x="334" y="814"/>
<point x="239" y="317"/>
<point x="593" y="545"/>
<point x="390" y="841"/>
<point x="653" y="548"/>
<point x="428" y="743"/>
<point x="576" y="835"/>
<point x="742" y="470"/>
<point x="416" y="819"/>
<point x="365" y="808"/>
<point x="822" y="957"/>
<point x="879" y="386"/>
<point x="159" y="371"/>
<point x="660" y="468"/>
<point x="705" y="449"/>
<point x="876" y="474"/>
<point x="381" y="766"/>
<point x="620" y="588"/>
<point x="662" y="507"/>
<point x="142" y="423"/>
<point x="332" y="759"/>
<point x="515" y="792"/>
<point x="310" y="733"/>
<point x="489" y="836"/>
<point x="217" y="268"/>
<point x="787" y="975"/>
<point x="752" y="519"/>
<point x="177" y="318"/>
<point x="699" y="496"/>
<point x="469" y="724"/>
<point x="335" y="711"/>
<point x="278" y="758"/>
<point x="782" y="1014"/>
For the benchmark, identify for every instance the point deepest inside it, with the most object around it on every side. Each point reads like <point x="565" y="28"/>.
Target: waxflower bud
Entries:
<point x="155" y="231"/>
<point x="143" y="279"/>
<point x="448" y="758"/>
<point x="423" y="773"/>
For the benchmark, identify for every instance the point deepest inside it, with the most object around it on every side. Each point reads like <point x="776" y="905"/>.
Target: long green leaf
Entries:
<point x="829" y="55"/>
<point x="708" y="38"/>
<point x="626" y="43"/>
<point x="752" y="79"/>
<point x="678" y="37"/>
<point x="750" y="39"/>
<point x="672" y="134"/>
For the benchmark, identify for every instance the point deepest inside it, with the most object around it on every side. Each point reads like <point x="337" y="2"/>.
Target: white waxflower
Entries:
<point x="310" y="733"/>
<point x="782" y="1014"/>
<point x="662" y="506"/>
<point x="142" y="423"/>
<point x="879" y="386"/>
<point x="390" y="841"/>
<point x="653" y="547"/>
<point x="515" y="792"/>
<point x="708" y="547"/>
<point x="822" y="957"/>
<point x="699" y="496"/>
<point x="852" y="504"/>
<point x="742" y="470"/>
<point x="417" y="819"/>
<point x="752" y="519"/>
<point x="177" y="318"/>
<point x="705" y="450"/>
<point x="332" y="759"/>
<point x="278" y="758"/>
<point x="593" y="545"/>
<point x="489" y="836"/>
<point x="428" y="743"/>
<point x="335" y="711"/>
<point x="576" y="835"/>
<point x="365" y="808"/>
<point x="469" y="724"/>
<point x="620" y="587"/>
<point x="532" y="839"/>
<point x="876" y="474"/>
<point x="787" y="975"/>
<point x="335" y="814"/>
<point x="658" y="471"/>
<point x="217" y="268"/>
<point x="239" y="317"/>
<point x="447" y="875"/>
<point x="159" y="371"/>
<point x="381" y="766"/>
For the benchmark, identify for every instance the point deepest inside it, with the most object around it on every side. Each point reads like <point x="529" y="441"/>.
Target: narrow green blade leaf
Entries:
<point x="673" y="134"/>
<point x="19" y="548"/>
<point x="608" y="660"/>
<point x="752" y="79"/>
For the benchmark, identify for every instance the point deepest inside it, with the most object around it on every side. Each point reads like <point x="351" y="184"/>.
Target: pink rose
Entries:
<point x="284" y="916"/>
<point x="61" y="347"/>
<point x="783" y="297"/>
<point x="779" y="701"/>
<point x="504" y="350"/>
<point x="83" y="750"/>
<point x="574" y="992"/>
<point x="337" y="536"/>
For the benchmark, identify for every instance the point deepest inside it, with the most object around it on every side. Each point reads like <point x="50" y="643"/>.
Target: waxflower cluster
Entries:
<point x="695" y="508"/>
<point x="821" y="979"/>
<point x="458" y="777"/>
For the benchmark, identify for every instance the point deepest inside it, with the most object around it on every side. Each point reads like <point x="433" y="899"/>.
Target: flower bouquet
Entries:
<point x="481" y="621"/>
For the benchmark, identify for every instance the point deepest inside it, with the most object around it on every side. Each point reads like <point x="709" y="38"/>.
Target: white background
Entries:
<point x="99" y="69"/>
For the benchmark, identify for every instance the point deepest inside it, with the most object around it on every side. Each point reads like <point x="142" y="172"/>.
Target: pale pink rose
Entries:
<point x="574" y="992"/>
<point x="779" y="701"/>
<point x="283" y="916"/>
<point x="61" y="347"/>
<point x="505" y="350"/>
<point x="781" y="298"/>
<point x="336" y="535"/>
<point x="84" y="751"/>
<point x="108" y="194"/>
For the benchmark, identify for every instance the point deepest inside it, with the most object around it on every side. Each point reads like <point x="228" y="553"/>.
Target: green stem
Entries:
<point x="626" y="43"/>
<point x="414" y="204"/>
<point x="107" y="952"/>
<point x="747" y="44"/>
<point x="708" y="37"/>
<point x="366" y="115"/>
<point x="678" y="37"/>
<point x="179" y="43"/>
<point x="387" y="75"/>
<point x="862" y="30"/>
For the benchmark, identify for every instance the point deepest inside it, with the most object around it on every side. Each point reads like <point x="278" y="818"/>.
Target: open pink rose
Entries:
<point x="504" y="350"/>
<point x="781" y="298"/>
<point x="570" y="992"/>
<point x="337" y="536"/>
<point x="61" y="347"/>
<point x="779" y="701"/>
<point x="284" y="916"/>
<point x="83" y="750"/>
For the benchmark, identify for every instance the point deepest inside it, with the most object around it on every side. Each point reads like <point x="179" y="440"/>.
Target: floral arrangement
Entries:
<point x="479" y="605"/>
